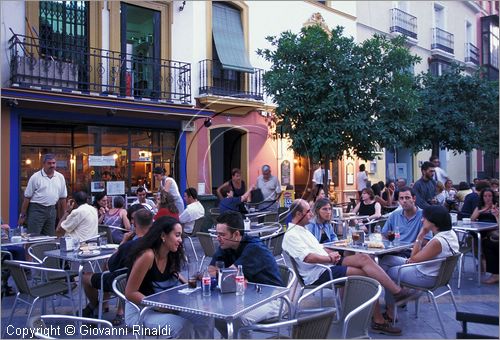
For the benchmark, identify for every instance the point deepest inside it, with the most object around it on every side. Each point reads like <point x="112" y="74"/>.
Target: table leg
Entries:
<point x="230" y="330"/>
<point x="478" y="258"/>
<point x="80" y="288"/>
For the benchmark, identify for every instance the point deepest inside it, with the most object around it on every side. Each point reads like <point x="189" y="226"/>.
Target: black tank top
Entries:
<point x="238" y="192"/>
<point x="366" y="209"/>
<point x="155" y="281"/>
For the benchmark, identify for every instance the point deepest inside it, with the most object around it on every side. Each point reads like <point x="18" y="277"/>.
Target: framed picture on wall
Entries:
<point x="349" y="174"/>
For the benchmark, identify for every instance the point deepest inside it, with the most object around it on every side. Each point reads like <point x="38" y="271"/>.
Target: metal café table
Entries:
<point x="376" y="252"/>
<point x="28" y="240"/>
<point x="477" y="228"/>
<point x="226" y="306"/>
<point x="70" y="256"/>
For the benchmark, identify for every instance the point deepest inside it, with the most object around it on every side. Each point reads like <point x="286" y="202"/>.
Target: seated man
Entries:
<point x="143" y="219"/>
<point x="259" y="265"/>
<point x="79" y="220"/>
<point x="306" y="250"/>
<point x="193" y="211"/>
<point x="18" y="253"/>
<point x="142" y="199"/>
<point x="230" y="203"/>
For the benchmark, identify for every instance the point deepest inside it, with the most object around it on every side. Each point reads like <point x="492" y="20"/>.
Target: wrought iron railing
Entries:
<point x="442" y="40"/>
<point x="471" y="54"/>
<point x="403" y="23"/>
<point x="214" y="80"/>
<point x="36" y="63"/>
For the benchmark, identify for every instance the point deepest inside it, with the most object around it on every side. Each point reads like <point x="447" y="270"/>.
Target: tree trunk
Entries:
<point x="326" y="187"/>
<point x="435" y="148"/>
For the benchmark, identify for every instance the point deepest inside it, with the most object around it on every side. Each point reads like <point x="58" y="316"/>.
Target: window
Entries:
<point x="439" y="18"/>
<point x="490" y="41"/>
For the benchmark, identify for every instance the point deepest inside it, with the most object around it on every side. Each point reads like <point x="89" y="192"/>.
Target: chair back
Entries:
<point x="103" y="228"/>
<point x="360" y="295"/>
<point x="198" y="224"/>
<point x="288" y="276"/>
<point x="42" y="325"/>
<point x="207" y="243"/>
<point x="313" y="326"/>
<point x="271" y="217"/>
<point x="282" y="217"/>
<point x="295" y="268"/>
<point x="119" y="284"/>
<point x="37" y="252"/>
<point x="446" y="271"/>
<point x="18" y="275"/>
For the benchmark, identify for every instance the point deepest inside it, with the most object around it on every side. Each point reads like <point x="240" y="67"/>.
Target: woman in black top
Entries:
<point x="368" y="206"/>
<point x="235" y="184"/>
<point x="155" y="265"/>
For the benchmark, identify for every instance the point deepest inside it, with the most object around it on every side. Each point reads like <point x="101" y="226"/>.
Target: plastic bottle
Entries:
<point x="247" y="223"/>
<point x="397" y="235"/>
<point x="349" y="235"/>
<point x="240" y="281"/>
<point x="206" y="283"/>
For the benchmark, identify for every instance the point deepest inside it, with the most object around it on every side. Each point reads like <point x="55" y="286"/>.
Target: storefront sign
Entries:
<point x="102" y="161"/>
<point x="98" y="186"/>
<point x="287" y="198"/>
<point x="115" y="188"/>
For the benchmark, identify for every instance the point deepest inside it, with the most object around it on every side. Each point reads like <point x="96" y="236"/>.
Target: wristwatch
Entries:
<point x="22" y="215"/>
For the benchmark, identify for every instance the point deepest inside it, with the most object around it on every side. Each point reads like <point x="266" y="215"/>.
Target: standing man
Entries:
<point x="79" y="220"/>
<point x="271" y="189"/>
<point x="361" y="179"/>
<point x="319" y="175"/>
<point x="45" y="189"/>
<point x="440" y="174"/>
<point x="257" y="261"/>
<point x="193" y="211"/>
<point x="425" y="187"/>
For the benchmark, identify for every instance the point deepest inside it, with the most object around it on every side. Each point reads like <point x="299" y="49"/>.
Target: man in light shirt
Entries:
<point x="44" y="198"/>
<point x="142" y="199"/>
<point x="319" y="175"/>
<point x="271" y="189"/>
<point x="193" y="211"/>
<point x="79" y="220"/>
<point x="439" y="175"/>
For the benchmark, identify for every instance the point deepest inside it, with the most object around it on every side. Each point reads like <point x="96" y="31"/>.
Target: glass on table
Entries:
<point x="193" y="274"/>
<point x="76" y="245"/>
<point x="103" y="241"/>
<point x="391" y="235"/>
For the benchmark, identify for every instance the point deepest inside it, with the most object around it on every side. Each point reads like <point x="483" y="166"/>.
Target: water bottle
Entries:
<point x="397" y="235"/>
<point x="349" y="235"/>
<point x="206" y="283"/>
<point x="247" y="223"/>
<point x="240" y="281"/>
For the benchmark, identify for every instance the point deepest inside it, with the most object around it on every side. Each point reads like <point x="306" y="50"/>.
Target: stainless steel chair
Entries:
<point x="208" y="246"/>
<point x="44" y="324"/>
<point x="196" y="229"/>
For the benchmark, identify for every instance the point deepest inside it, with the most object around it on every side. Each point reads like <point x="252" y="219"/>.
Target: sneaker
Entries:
<point x="404" y="295"/>
<point x="88" y="312"/>
<point x="385" y="328"/>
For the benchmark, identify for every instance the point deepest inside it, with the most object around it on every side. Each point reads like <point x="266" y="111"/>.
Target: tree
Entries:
<point x="334" y="95"/>
<point x="458" y="112"/>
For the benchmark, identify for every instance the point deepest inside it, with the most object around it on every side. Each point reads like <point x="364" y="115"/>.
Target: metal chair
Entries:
<point x="466" y="243"/>
<point x="313" y="326"/>
<point x="6" y="255"/>
<point x="207" y="244"/>
<point x="37" y="253"/>
<point x="275" y="243"/>
<point x="30" y="294"/>
<point x="443" y="278"/>
<point x="101" y="291"/>
<point x="43" y="324"/>
<point x="358" y="300"/>
<point x="196" y="229"/>
<point x="103" y="228"/>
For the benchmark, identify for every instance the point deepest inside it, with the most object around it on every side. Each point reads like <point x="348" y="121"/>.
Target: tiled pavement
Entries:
<point x="470" y="298"/>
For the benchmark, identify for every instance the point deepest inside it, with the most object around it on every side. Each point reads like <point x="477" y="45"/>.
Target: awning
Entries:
<point x="229" y="40"/>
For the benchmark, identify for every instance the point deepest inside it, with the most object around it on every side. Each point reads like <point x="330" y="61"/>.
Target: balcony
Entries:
<point x="471" y="54"/>
<point x="442" y="42"/>
<point x="403" y="23"/>
<point x="36" y="64"/>
<point x="216" y="81"/>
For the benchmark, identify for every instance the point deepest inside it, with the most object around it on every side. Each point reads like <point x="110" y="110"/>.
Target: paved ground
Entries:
<point x="470" y="298"/>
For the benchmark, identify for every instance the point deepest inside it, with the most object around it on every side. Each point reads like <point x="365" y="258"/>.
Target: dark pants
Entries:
<point x="490" y="249"/>
<point x="41" y="219"/>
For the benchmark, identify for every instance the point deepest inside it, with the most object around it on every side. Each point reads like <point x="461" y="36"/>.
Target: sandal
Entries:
<point x="118" y="320"/>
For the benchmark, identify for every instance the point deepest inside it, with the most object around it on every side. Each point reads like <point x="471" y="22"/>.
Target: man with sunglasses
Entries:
<point x="259" y="265"/>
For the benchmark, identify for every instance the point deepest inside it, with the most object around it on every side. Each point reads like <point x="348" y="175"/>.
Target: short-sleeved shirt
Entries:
<point x="408" y="228"/>
<point x="361" y="177"/>
<point x="81" y="223"/>
<point x="449" y="246"/>
<point x="45" y="190"/>
<point x="193" y="212"/>
<point x="318" y="175"/>
<point x="298" y="243"/>
<point x="258" y="262"/>
<point x="270" y="189"/>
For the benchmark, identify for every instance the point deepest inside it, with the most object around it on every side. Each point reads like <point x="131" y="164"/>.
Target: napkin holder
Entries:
<point x="66" y="244"/>
<point x="228" y="280"/>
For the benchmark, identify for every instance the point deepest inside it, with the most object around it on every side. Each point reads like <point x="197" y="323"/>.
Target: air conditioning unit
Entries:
<point x="188" y="125"/>
<point x="41" y="72"/>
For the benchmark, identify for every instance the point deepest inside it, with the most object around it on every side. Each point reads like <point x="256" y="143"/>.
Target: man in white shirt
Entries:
<point x="79" y="220"/>
<point x="318" y="176"/>
<point x="45" y="189"/>
<point x="271" y="189"/>
<point x="439" y="175"/>
<point x="193" y="211"/>
<point x="142" y="199"/>
<point x="361" y="179"/>
<point x="306" y="250"/>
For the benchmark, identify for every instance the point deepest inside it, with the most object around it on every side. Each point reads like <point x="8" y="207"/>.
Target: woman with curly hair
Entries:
<point x="166" y="206"/>
<point x="155" y="265"/>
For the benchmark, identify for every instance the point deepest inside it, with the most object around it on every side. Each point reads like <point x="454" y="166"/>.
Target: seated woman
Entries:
<point x="320" y="225"/>
<point x="166" y="206"/>
<point x="117" y="217"/>
<point x="444" y="243"/>
<point x="233" y="203"/>
<point x="487" y="211"/>
<point x="316" y="194"/>
<point x="368" y="206"/>
<point x="155" y="264"/>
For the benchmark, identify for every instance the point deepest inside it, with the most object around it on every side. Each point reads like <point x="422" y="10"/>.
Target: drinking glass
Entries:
<point x="76" y="246"/>
<point x="355" y="237"/>
<point x="103" y="242"/>
<point x="193" y="274"/>
<point x="390" y="236"/>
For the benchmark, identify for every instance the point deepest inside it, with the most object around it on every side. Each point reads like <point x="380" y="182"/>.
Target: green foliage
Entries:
<point x="337" y="96"/>
<point x="458" y="112"/>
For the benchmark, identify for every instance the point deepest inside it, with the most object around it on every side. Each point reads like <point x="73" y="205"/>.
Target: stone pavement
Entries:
<point x="470" y="298"/>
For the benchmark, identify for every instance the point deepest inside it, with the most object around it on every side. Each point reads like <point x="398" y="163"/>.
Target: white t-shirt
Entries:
<point x="362" y="178"/>
<point x="192" y="212"/>
<point x="440" y="175"/>
<point x="300" y="242"/>
<point x="46" y="190"/>
<point x="318" y="176"/>
<point x="81" y="223"/>
<point x="444" y="236"/>
<point x="270" y="189"/>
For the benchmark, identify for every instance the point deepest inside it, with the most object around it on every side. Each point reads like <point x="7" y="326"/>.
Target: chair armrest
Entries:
<point x="267" y="326"/>
<point x="358" y="309"/>
<point x="331" y="283"/>
<point x="415" y="264"/>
